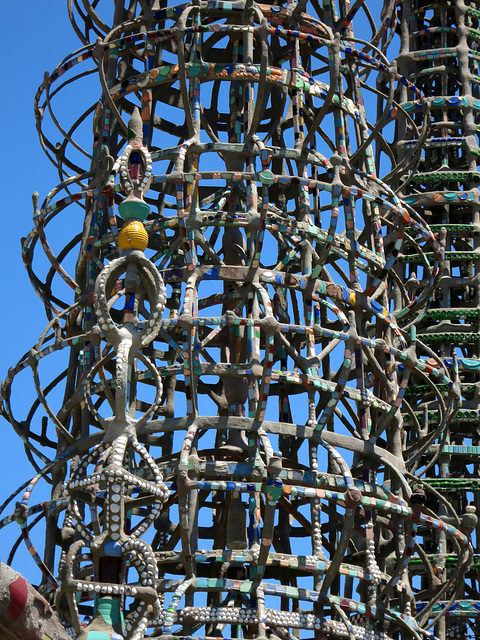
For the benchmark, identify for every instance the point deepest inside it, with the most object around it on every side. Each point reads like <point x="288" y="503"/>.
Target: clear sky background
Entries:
<point x="36" y="36"/>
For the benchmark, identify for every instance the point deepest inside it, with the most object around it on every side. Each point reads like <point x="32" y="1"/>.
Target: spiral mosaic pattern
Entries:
<point x="228" y="453"/>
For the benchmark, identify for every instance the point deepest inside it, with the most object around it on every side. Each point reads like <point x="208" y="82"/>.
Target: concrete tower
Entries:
<point x="245" y="410"/>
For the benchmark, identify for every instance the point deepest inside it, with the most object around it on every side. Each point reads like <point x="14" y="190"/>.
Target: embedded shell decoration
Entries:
<point x="254" y="401"/>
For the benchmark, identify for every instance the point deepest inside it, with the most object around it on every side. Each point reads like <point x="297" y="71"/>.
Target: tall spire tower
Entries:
<point x="225" y="440"/>
<point x="439" y="52"/>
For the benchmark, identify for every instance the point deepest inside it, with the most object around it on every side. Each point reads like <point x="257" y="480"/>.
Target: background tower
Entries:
<point x="439" y="51"/>
<point x="226" y="454"/>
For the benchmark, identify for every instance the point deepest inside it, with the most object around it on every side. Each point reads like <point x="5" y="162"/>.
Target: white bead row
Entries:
<point x="289" y="619"/>
<point x="113" y="589"/>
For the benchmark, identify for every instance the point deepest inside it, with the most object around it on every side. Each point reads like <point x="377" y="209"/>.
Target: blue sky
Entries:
<point x="35" y="37"/>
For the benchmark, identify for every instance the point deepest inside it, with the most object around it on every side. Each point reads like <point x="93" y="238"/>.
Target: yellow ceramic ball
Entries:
<point x="133" y="236"/>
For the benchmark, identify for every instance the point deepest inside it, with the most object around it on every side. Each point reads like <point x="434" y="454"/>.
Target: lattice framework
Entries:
<point x="228" y="456"/>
